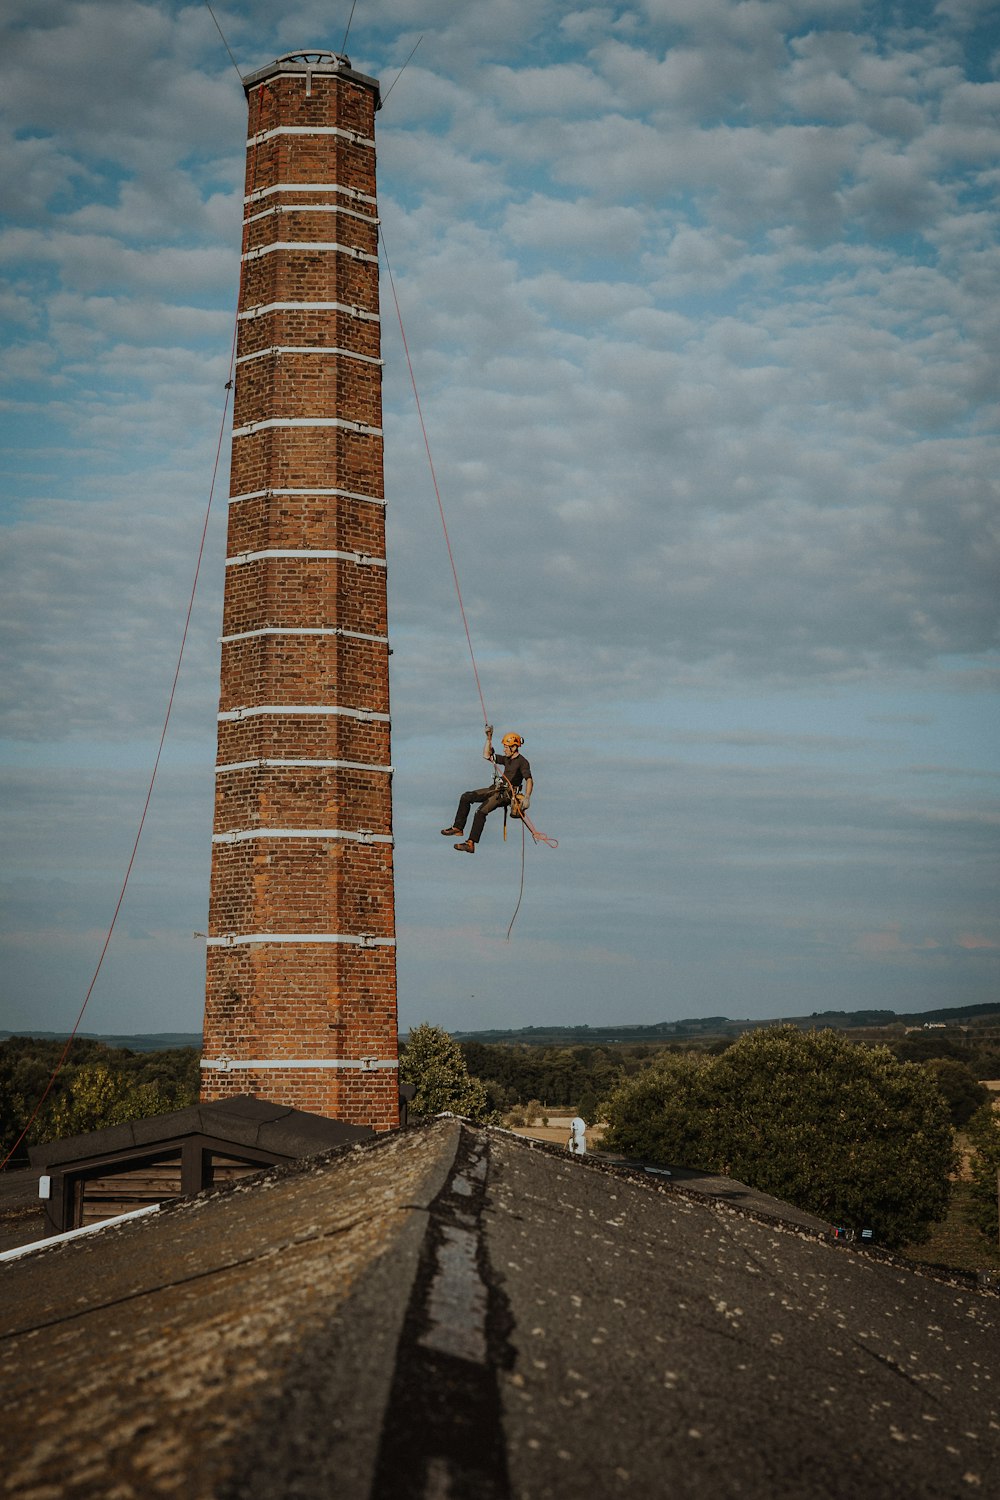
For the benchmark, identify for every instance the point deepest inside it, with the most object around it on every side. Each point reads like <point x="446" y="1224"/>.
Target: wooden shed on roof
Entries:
<point x="89" y="1178"/>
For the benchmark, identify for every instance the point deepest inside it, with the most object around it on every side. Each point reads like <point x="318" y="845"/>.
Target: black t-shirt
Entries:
<point x="515" y="768"/>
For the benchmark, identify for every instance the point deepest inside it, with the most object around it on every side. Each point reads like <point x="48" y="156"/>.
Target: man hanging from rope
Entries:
<point x="512" y="789"/>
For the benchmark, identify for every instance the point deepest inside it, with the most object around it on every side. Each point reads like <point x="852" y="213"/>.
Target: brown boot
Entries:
<point x="467" y="848"/>
<point x="450" y="833"/>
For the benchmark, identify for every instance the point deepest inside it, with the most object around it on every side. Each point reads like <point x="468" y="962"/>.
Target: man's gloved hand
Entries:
<point x="524" y="800"/>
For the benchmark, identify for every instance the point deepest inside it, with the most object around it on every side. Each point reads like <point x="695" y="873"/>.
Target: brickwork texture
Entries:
<point x="300" y="1001"/>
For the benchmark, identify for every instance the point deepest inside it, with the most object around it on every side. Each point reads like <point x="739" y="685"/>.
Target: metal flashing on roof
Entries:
<point x="74" y="1234"/>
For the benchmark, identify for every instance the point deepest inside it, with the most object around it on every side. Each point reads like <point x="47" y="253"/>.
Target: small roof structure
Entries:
<point x="86" y="1178"/>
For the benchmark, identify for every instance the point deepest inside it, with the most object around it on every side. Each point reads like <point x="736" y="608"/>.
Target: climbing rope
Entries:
<point x="149" y="790"/>
<point x="520" y="890"/>
<point x="60" y="1064"/>
<point x="539" y="838"/>
<point x="536" y="834"/>
<point x="437" y="491"/>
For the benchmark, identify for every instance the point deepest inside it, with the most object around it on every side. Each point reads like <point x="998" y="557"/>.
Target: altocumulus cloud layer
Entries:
<point x="702" y="299"/>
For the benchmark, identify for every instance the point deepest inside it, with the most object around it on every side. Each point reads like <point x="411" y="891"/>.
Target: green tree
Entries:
<point x="846" y="1132"/>
<point x="663" y="1113"/>
<point x="588" y="1107"/>
<point x="137" y="1084"/>
<point x="984" y="1135"/>
<point x="922" y="1046"/>
<point x="433" y="1061"/>
<point x="960" y="1088"/>
<point x="98" y="1096"/>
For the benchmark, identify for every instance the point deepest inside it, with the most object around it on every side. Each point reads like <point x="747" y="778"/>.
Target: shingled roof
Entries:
<point x="449" y="1311"/>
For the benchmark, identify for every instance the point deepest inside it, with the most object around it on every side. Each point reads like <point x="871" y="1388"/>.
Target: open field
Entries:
<point x="955" y="1242"/>
<point x="556" y="1132"/>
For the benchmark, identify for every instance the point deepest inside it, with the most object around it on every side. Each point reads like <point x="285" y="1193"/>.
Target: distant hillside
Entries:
<point x="704" y="1027"/>
<point x="722" y="1026"/>
<point x="156" y="1041"/>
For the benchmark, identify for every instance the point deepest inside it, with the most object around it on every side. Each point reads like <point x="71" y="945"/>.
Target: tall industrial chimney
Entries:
<point x="301" y="990"/>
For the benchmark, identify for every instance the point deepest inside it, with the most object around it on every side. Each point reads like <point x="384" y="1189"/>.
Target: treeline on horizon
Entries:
<point x="97" y="1086"/>
<point x="579" y="1077"/>
<point x="102" y="1085"/>
<point x="706" y="1027"/>
<point x="725" y="1026"/>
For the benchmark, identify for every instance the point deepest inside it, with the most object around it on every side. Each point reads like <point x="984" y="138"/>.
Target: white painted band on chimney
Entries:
<point x="347" y="135"/>
<point x="307" y="554"/>
<point x="263" y="308"/>
<point x="354" y="635"/>
<point x="356" y="939"/>
<point x="353" y="835"/>
<point x="311" y="208"/>
<point x="320" y="765"/>
<point x="292" y="710"/>
<point x="309" y="187"/>
<point x="368" y="359"/>
<point x="342" y="422"/>
<point x="342" y="494"/>
<point x="333" y="245"/>
<point x="232" y="1065"/>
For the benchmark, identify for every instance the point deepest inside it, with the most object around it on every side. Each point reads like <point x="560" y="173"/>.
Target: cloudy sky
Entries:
<point x="703" y="301"/>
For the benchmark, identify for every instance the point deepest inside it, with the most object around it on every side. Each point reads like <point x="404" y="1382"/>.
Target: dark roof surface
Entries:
<point x="243" y="1121"/>
<point x="456" y="1312"/>
<point x="22" y="1219"/>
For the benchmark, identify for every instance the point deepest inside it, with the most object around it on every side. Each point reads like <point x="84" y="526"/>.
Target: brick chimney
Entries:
<point x="300" y="1001"/>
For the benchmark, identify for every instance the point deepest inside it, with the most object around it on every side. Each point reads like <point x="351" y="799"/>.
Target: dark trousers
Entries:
<point x="489" y="799"/>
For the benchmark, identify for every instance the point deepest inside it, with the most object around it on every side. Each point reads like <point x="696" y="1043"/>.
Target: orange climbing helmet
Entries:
<point x="512" y="743"/>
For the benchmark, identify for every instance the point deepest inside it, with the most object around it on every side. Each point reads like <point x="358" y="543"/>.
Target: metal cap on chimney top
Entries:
<point x="308" y="64"/>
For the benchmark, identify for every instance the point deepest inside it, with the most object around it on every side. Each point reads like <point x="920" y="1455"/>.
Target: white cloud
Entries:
<point x="94" y="598"/>
<point x="551" y="224"/>
<point x="90" y="263"/>
<point x="563" y="89"/>
<point x="965" y="12"/>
